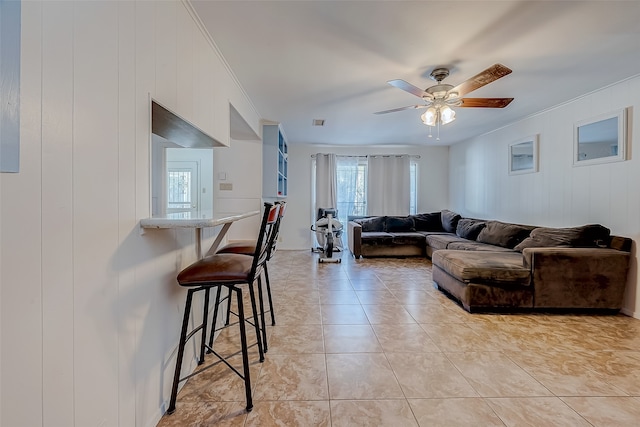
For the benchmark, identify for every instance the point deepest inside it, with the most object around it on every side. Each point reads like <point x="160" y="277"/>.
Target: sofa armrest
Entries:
<point x="578" y="277"/>
<point x="354" y="233"/>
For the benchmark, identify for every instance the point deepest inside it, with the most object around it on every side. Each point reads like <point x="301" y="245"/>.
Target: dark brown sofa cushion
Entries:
<point x="399" y="224"/>
<point x="428" y="221"/>
<point x="586" y="236"/>
<point x="469" y="228"/>
<point x="377" y="238"/>
<point x="484" y="267"/>
<point x="449" y="220"/>
<point x="502" y="234"/>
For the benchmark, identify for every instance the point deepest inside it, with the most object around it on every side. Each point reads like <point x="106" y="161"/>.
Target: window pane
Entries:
<point x="352" y="187"/>
<point x="179" y="190"/>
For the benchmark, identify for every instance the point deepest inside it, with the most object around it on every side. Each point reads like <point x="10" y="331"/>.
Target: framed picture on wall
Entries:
<point x="600" y="139"/>
<point x="523" y="156"/>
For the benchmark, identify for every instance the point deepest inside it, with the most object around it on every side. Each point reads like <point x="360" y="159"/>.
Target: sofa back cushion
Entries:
<point x="374" y="223"/>
<point x="449" y="220"/>
<point x="503" y="234"/>
<point x="591" y="235"/>
<point x="428" y="221"/>
<point x="399" y="224"/>
<point x="468" y="228"/>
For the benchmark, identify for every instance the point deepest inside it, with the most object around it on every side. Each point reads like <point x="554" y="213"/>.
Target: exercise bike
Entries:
<point x="328" y="234"/>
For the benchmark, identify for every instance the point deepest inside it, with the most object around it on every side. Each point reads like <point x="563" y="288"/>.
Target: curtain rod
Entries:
<point x="413" y="156"/>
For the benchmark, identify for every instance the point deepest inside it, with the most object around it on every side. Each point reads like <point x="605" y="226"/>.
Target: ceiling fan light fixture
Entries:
<point x="429" y="117"/>
<point x="447" y="115"/>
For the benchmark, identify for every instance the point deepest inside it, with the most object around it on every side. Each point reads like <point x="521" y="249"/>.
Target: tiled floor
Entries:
<point x="372" y="343"/>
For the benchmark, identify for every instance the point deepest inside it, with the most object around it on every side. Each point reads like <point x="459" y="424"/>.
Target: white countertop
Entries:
<point x="180" y="220"/>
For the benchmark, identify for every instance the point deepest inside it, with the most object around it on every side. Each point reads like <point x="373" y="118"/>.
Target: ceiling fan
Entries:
<point x="441" y="97"/>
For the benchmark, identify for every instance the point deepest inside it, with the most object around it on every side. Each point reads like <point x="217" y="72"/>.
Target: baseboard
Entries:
<point x="630" y="313"/>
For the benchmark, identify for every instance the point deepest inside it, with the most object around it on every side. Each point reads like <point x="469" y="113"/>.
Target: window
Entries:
<point x="351" y="177"/>
<point x="351" y="187"/>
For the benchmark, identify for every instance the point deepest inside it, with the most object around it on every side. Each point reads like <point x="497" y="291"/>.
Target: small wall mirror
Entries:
<point x="523" y="156"/>
<point x="601" y="139"/>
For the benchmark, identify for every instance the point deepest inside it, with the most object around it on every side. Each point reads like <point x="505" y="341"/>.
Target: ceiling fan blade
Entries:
<point x="487" y="76"/>
<point x="485" y="102"/>
<point x="407" y="87"/>
<point x="410" y="107"/>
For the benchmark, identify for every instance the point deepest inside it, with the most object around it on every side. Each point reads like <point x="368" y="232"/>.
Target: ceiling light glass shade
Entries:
<point x="447" y="115"/>
<point x="429" y="117"/>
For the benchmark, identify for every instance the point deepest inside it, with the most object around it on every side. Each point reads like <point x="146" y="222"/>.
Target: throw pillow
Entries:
<point x="591" y="235"/>
<point x="396" y="224"/>
<point x="376" y="223"/>
<point x="469" y="228"/>
<point x="428" y="221"/>
<point x="502" y="234"/>
<point x="449" y="220"/>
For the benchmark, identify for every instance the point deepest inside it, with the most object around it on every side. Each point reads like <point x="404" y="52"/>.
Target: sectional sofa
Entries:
<point x="493" y="265"/>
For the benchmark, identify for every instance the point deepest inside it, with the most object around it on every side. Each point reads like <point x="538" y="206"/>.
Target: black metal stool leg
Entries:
<point x="255" y="320"/>
<point x="263" y="323"/>
<point x="183" y="339"/>
<point x="215" y="316"/>
<point x="245" y="351"/>
<point x="266" y="278"/>
<point x="228" y="319"/>
<point x="205" y="317"/>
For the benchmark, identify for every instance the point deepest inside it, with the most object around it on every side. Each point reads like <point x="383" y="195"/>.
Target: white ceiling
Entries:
<point x="328" y="59"/>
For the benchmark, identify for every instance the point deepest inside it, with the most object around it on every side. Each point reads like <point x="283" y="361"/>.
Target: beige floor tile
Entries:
<point x="350" y="339"/>
<point x="536" y="412"/>
<point x="434" y="312"/>
<point x="428" y="375"/>
<point x="565" y="374"/>
<point x="219" y="383"/>
<point x="361" y="376"/>
<point x="331" y="296"/>
<point x="454" y="412"/>
<point x="607" y="411"/>
<point x="293" y="377"/>
<point x="297" y="296"/>
<point x="412" y="297"/>
<point x="382" y="296"/>
<point x="619" y="368"/>
<point x="349" y="413"/>
<point x="493" y="374"/>
<point x="298" y="314"/>
<point x="344" y="314"/>
<point x="409" y="338"/>
<point x="393" y="314"/>
<point x="200" y="414"/>
<point x="460" y="338"/>
<point x="294" y="339"/>
<point x="290" y="413"/>
<point x="368" y="285"/>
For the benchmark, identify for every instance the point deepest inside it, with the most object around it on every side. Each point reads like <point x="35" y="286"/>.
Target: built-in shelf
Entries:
<point x="274" y="162"/>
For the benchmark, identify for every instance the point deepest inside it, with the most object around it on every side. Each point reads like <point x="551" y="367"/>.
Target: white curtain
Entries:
<point x="326" y="184"/>
<point x="388" y="184"/>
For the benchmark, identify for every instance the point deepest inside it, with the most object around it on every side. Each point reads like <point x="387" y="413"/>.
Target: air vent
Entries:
<point x="318" y="122"/>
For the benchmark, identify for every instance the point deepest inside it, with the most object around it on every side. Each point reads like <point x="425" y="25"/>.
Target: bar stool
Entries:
<point x="230" y="271"/>
<point x="248" y="247"/>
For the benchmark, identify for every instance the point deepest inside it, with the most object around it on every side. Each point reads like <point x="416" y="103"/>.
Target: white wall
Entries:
<point x="432" y="186"/>
<point x="559" y="194"/>
<point x="89" y="307"/>
<point x="241" y="166"/>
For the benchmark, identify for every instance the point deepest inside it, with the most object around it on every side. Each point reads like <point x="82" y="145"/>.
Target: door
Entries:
<point x="182" y="188"/>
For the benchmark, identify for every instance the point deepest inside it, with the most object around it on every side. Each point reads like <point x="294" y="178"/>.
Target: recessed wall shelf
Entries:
<point x="274" y="162"/>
